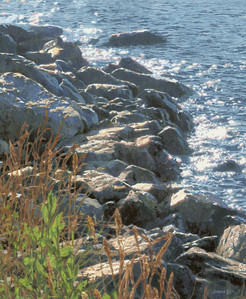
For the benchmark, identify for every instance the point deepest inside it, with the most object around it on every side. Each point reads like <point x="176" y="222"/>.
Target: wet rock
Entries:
<point x="18" y="64"/>
<point x="22" y="100"/>
<point x="110" y="67"/>
<point x="144" y="81"/>
<point x="92" y="75"/>
<point x="135" y="38"/>
<point x="229" y="165"/>
<point x="137" y="208"/>
<point x="109" y="91"/>
<point x="173" y="141"/>
<point x="7" y="44"/>
<point x="162" y="100"/>
<point x="133" y="65"/>
<point x="17" y="33"/>
<point x="233" y="243"/>
<point x="39" y="57"/>
<point x="45" y="31"/>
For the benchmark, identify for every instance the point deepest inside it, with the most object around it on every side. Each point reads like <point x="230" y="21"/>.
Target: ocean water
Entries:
<point x="205" y="49"/>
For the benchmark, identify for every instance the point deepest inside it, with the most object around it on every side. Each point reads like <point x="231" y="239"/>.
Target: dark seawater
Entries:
<point x="205" y="49"/>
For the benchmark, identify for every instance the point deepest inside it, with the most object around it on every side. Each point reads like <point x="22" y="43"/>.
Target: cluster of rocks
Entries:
<point x="130" y="126"/>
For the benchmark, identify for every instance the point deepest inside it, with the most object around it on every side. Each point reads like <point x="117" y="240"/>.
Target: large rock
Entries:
<point x="137" y="208"/>
<point x="17" y="33"/>
<point x="131" y="154"/>
<point x="39" y="57"/>
<point x="153" y="98"/>
<point x="7" y="44"/>
<point x="143" y="81"/>
<point x="135" y="38"/>
<point x="201" y="215"/>
<point x="233" y="243"/>
<point x="133" y="65"/>
<point x="109" y="91"/>
<point x="218" y="271"/>
<point x="92" y="75"/>
<point x="37" y="37"/>
<point x="173" y="141"/>
<point x="22" y="99"/>
<point x="103" y="186"/>
<point x="66" y="51"/>
<point x="18" y="64"/>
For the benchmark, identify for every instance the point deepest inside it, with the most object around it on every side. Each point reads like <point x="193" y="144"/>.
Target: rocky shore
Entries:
<point x="129" y="125"/>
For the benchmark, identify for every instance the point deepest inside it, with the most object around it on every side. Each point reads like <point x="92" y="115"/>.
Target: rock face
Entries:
<point x="135" y="38"/>
<point x="233" y="243"/>
<point x="7" y="44"/>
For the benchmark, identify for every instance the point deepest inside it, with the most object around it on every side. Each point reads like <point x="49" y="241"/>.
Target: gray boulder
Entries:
<point x="39" y="57"/>
<point x="18" y="64"/>
<point x="137" y="208"/>
<point x="17" y="33"/>
<point x="131" y="64"/>
<point x="135" y="38"/>
<point x="173" y="141"/>
<point x="233" y="243"/>
<point x="7" y="44"/>
<point x="109" y="91"/>
<point x="229" y="165"/>
<point x="22" y="99"/>
<point x="144" y="81"/>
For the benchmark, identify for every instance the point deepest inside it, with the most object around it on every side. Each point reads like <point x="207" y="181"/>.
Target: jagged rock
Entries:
<point x="92" y="75"/>
<point x="183" y="281"/>
<point x="135" y="38"/>
<point x="173" y="141"/>
<point x="133" y="174"/>
<point x="133" y="65"/>
<point x="22" y="99"/>
<point x="199" y="214"/>
<point x="233" y="243"/>
<point x="7" y="44"/>
<point x="158" y="190"/>
<point x="162" y="100"/>
<point x="103" y="186"/>
<point x="126" y="117"/>
<point x="131" y="154"/>
<point x="109" y="91"/>
<point x="216" y="269"/>
<point x="115" y="167"/>
<point x="39" y="57"/>
<point x="143" y="81"/>
<point x="18" y="64"/>
<point x="137" y="208"/>
<point x="67" y="51"/>
<point x="69" y="90"/>
<point x="110" y="67"/>
<point x="45" y="31"/>
<point x="17" y="33"/>
<point x="83" y="206"/>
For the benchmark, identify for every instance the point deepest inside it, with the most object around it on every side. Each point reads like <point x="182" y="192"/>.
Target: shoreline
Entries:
<point x="127" y="124"/>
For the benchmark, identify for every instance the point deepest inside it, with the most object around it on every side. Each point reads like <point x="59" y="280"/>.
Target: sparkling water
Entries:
<point x="205" y="49"/>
